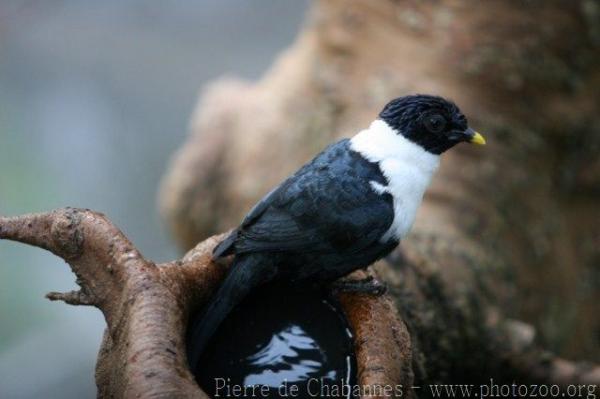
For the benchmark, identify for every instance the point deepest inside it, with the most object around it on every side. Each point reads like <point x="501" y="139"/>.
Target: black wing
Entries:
<point x="328" y="205"/>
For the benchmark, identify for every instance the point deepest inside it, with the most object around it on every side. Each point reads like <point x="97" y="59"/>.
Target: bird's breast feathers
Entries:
<point x="407" y="167"/>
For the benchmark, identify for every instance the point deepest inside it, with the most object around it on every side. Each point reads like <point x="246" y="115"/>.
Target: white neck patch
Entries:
<point x="407" y="167"/>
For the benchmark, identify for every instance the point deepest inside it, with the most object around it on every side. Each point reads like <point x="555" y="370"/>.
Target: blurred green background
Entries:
<point x="94" y="99"/>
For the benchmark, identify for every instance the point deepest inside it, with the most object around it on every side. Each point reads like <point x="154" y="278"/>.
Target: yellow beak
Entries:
<point x="477" y="139"/>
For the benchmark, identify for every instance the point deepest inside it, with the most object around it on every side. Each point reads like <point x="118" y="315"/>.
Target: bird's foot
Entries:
<point x="367" y="285"/>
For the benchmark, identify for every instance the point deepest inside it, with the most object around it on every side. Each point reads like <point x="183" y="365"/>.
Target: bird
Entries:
<point x="342" y="211"/>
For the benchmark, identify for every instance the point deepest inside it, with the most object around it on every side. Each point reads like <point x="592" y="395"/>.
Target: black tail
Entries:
<point x="246" y="273"/>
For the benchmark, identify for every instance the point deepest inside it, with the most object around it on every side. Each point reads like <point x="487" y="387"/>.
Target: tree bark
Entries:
<point x="147" y="307"/>
<point x="508" y="231"/>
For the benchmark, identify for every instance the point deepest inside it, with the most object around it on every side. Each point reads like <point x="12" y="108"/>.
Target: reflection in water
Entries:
<point x="288" y="357"/>
<point x="279" y="339"/>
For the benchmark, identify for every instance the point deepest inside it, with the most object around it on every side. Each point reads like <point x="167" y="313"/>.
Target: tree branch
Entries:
<point x="147" y="306"/>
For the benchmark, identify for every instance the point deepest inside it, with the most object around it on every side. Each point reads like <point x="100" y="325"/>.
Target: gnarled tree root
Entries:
<point x="147" y="306"/>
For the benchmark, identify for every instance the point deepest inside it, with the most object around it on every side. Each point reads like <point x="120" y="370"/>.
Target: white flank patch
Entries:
<point x="407" y="167"/>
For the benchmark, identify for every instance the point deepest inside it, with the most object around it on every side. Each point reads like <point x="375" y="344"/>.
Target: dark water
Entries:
<point x="284" y="343"/>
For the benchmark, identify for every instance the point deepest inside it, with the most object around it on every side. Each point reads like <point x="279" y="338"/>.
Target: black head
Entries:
<point x="434" y="123"/>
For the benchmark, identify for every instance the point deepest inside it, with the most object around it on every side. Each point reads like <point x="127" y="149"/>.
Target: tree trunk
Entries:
<point x="507" y="231"/>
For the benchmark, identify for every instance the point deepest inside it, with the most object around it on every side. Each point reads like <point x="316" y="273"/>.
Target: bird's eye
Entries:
<point x="435" y="123"/>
